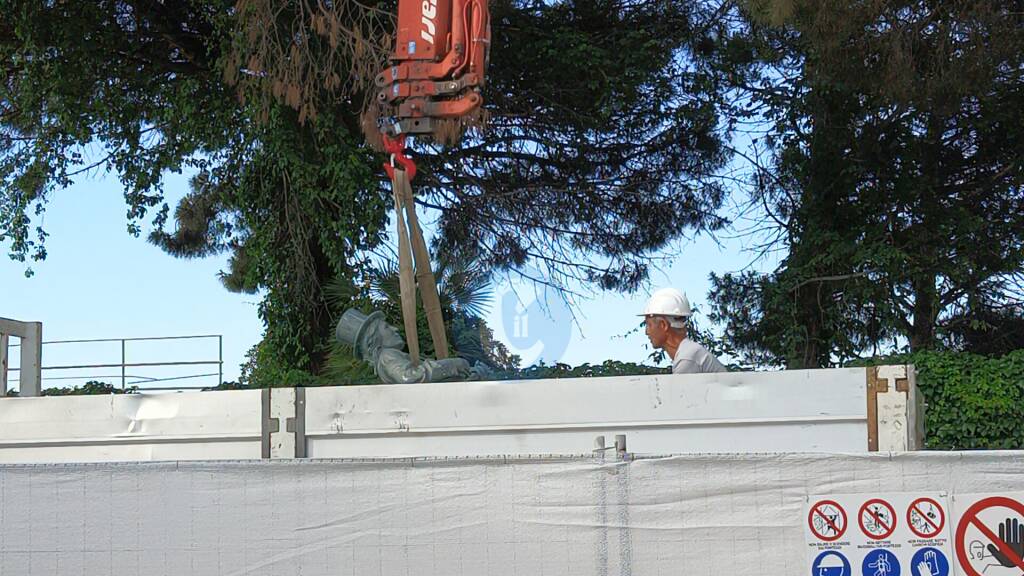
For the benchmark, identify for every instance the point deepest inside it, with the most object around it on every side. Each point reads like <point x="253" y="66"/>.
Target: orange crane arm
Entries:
<point x="438" y="65"/>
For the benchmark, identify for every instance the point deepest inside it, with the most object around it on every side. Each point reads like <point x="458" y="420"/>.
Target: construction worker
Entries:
<point x="665" y="325"/>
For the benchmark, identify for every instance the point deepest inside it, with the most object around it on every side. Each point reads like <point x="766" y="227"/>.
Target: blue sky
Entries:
<point x="99" y="282"/>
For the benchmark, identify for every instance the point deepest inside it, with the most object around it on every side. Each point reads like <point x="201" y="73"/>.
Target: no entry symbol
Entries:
<point x="827" y="520"/>
<point x="995" y="528"/>
<point x="877" y="519"/>
<point x="926" y="518"/>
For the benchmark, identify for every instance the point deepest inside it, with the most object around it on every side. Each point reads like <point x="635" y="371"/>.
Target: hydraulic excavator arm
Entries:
<point x="434" y="81"/>
<point x="438" y="65"/>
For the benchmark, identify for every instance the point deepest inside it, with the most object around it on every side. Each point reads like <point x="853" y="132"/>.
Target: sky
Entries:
<point x="99" y="282"/>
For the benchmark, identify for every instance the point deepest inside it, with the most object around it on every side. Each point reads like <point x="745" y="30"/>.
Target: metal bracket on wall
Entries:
<point x="288" y="404"/>
<point x="619" y="447"/>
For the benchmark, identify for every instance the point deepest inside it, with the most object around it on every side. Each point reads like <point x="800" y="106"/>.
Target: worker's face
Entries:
<point x="657" y="330"/>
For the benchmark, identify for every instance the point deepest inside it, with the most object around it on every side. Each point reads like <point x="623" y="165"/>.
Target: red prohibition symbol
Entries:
<point x="926" y="518"/>
<point x="827" y="520"/>
<point x="1010" y="552"/>
<point x="877" y="519"/>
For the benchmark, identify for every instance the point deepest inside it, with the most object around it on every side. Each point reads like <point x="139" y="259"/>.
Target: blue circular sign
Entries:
<point x="830" y="563"/>
<point x="929" y="562"/>
<point x="880" y="562"/>
<point x="538" y="330"/>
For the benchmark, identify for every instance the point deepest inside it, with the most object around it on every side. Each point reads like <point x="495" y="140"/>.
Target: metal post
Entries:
<point x="122" y="365"/>
<point x="220" y="359"/>
<point x="3" y="364"/>
<point x="30" y="379"/>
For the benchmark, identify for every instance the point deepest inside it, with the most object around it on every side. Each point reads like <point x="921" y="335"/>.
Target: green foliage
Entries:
<point x="464" y="294"/>
<point x="73" y="75"/>
<point x="263" y="369"/>
<point x="309" y="205"/>
<point x="606" y="368"/>
<point x="973" y="402"/>
<point x="343" y="368"/>
<point x="602" y="143"/>
<point x="893" y="178"/>
<point x="90" y="388"/>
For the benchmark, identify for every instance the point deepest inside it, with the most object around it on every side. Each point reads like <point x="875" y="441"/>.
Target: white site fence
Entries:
<point x="693" y="515"/>
<point x="791" y="472"/>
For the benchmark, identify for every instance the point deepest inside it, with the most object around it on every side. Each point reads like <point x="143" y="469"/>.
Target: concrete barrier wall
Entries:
<point x="842" y="410"/>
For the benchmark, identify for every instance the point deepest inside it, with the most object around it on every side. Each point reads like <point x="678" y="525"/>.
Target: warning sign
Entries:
<point x="880" y="562"/>
<point x="930" y="562"/>
<point x="827" y="520"/>
<point x="830" y="563"/>
<point x="877" y="519"/>
<point x="989" y="536"/>
<point x="896" y="534"/>
<point x="926" y="518"/>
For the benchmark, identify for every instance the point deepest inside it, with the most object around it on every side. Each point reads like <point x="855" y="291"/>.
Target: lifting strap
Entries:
<point x="411" y="246"/>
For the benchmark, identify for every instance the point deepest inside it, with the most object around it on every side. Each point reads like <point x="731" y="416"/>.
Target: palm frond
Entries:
<point x="463" y="288"/>
<point x="384" y="283"/>
<point x="340" y="292"/>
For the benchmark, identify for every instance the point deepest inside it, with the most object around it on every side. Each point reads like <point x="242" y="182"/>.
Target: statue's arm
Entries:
<point x="395" y="367"/>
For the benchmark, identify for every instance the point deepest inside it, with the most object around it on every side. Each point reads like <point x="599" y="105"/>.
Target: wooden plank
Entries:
<point x="873" y="385"/>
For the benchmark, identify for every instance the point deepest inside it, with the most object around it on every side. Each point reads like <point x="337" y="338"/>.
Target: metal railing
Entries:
<point x="124" y="365"/>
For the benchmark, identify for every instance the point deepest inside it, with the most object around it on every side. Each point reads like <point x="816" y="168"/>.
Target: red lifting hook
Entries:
<point x="396" y="148"/>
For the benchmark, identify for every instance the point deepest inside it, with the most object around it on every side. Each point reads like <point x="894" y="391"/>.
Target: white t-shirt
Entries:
<point x="692" y="358"/>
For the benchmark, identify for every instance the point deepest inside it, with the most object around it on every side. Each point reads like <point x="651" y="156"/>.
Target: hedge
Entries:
<point x="972" y="402"/>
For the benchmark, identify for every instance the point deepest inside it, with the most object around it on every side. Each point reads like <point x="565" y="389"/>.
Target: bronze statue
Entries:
<point x="377" y="342"/>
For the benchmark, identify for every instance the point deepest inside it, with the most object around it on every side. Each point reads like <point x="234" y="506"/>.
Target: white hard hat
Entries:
<point x="831" y="564"/>
<point x="667" y="302"/>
